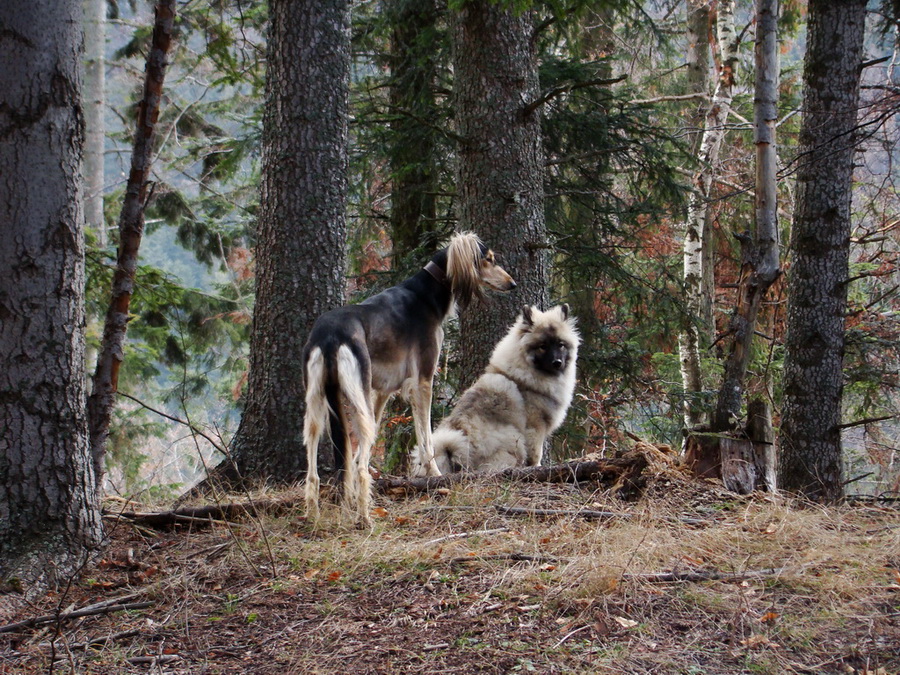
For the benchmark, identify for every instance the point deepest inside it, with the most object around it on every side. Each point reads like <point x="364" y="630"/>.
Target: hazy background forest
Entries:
<point x="620" y="133"/>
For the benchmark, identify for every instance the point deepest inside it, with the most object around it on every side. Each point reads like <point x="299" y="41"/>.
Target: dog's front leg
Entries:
<point x="420" y="400"/>
<point x="535" y="450"/>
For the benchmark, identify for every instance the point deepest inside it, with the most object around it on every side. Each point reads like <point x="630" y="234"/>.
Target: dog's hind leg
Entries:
<point x="354" y="379"/>
<point x="420" y="400"/>
<point x="313" y="425"/>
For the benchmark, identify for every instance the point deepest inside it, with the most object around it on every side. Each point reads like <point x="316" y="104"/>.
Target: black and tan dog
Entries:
<point x="358" y="356"/>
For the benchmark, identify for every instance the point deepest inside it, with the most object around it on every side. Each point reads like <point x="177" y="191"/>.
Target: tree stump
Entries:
<point x="744" y="460"/>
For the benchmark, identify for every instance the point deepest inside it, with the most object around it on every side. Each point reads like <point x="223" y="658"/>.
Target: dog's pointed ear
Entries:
<point x="526" y="316"/>
<point x="564" y="308"/>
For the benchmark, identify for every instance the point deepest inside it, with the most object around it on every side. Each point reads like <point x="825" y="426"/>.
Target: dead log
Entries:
<point x="622" y="473"/>
<point x="131" y="228"/>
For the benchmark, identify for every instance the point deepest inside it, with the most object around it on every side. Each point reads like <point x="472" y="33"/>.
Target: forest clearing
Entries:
<point x="687" y="578"/>
<point x="233" y="231"/>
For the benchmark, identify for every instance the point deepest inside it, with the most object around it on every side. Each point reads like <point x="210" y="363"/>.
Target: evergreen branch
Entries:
<point x="559" y="91"/>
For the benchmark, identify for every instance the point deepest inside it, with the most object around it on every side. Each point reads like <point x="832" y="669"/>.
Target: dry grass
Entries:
<point x="450" y="584"/>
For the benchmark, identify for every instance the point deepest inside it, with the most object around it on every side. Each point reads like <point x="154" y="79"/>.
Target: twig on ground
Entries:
<point x="579" y="513"/>
<point x="103" y="639"/>
<point x="515" y="557"/>
<point x="708" y="575"/>
<point x="462" y="535"/>
<point x="153" y="660"/>
<point x="65" y="616"/>
<point x="566" y="637"/>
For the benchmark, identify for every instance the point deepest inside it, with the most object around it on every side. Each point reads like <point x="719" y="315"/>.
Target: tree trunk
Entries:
<point x="820" y="240"/>
<point x="700" y="74"/>
<point x="301" y="233"/>
<point x="94" y="104"/>
<point x="414" y="112"/>
<point x="49" y="511"/>
<point x="759" y="250"/>
<point x="696" y="236"/>
<point x="105" y="382"/>
<point x="500" y="173"/>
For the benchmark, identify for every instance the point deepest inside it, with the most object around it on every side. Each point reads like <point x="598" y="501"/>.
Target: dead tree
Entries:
<point x="131" y="228"/>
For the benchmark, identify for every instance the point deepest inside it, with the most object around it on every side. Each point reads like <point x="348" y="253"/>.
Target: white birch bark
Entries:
<point x="695" y="239"/>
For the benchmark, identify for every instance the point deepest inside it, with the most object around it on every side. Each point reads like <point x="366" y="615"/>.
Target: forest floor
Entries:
<point x="689" y="578"/>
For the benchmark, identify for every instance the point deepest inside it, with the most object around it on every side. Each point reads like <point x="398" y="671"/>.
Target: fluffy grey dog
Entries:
<point x="503" y="419"/>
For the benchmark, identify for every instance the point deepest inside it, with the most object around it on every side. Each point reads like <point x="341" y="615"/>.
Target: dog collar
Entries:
<point x="435" y="271"/>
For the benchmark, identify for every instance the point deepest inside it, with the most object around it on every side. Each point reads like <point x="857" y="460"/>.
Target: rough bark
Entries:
<point x="696" y="236"/>
<point x="105" y="381"/>
<point x="49" y="511"/>
<point x="819" y="255"/>
<point x="94" y="103"/>
<point x="500" y="172"/>
<point x="759" y="249"/>
<point x="301" y="232"/>
<point x="414" y="112"/>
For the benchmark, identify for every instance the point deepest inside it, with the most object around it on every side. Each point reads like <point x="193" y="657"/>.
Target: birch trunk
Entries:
<point x="696" y="230"/>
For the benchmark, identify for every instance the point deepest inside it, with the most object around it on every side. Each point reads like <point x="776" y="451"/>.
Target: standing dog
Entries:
<point x="358" y="356"/>
<point x="503" y="419"/>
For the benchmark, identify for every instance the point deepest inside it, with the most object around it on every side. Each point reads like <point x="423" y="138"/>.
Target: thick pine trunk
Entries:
<point x="301" y="233"/>
<point x="819" y="256"/>
<point x="501" y="165"/>
<point x="414" y="114"/>
<point x="49" y="511"/>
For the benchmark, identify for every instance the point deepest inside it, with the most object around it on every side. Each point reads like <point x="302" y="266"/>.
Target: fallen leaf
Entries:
<point x="758" y="640"/>
<point x="334" y="576"/>
<point x="309" y="574"/>
<point x="625" y="623"/>
<point x="380" y="512"/>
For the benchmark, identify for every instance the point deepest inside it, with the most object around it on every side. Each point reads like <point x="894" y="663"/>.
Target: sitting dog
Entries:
<point x="503" y="419"/>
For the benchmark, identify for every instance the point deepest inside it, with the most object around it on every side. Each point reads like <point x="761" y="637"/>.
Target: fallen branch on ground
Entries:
<point x="102" y="640"/>
<point x="701" y="575"/>
<point x="581" y="513"/>
<point x="463" y="535"/>
<point x="624" y="472"/>
<point x="515" y="557"/>
<point x="608" y="471"/>
<point x="65" y="616"/>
